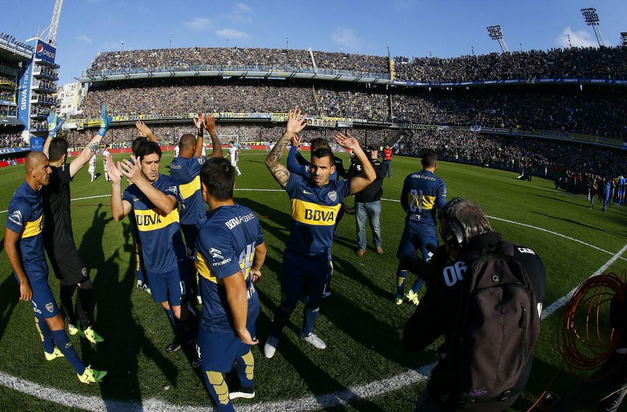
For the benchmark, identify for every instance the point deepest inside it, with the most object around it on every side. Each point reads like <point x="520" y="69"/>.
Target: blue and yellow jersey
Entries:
<point x="226" y="247"/>
<point x="187" y="174"/>
<point x="25" y="216"/>
<point x="423" y="195"/>
<point x="160" y="236"/>
<point x="314" y="211"/>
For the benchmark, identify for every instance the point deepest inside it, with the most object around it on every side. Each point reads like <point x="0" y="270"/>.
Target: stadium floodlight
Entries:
<point x="623" y="38"/>
<point x="496" y="33"/>
<point x="591" y="18"/>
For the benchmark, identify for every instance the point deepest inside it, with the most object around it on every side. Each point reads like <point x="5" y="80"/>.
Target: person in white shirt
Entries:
<point x="234" y="154"/>
<point x="92" y="167"/>
<point x="176" y="151"/>
<point x="104" y="162"/>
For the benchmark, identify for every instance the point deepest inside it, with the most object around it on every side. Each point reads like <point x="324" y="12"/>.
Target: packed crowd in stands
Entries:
<point x="121" y="137"/>
<point x="10" y="140"/>
<point x="7" y="95"/>
<point x="354" y="104"/>
<point x="552" y="158"/>
<point x="584" y="63"/>
<point x="587" y="63"/>
<point x="592" y="110"/>
<point x="10" y="39"/>
<point x="183" y="96"/>
<point x="190" y="58"/>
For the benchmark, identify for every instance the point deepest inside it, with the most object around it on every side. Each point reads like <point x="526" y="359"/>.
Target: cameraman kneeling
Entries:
<point x="485" y="296"/>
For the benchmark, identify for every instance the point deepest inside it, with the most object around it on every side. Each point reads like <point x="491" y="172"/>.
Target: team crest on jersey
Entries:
<point x="333" y="196"/>
<point x="50" y="307"/>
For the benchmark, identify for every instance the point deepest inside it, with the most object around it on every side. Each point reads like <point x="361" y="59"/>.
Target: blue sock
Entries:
<point x="280" y="320"/>
<point x="65" y="346"/>
<point x="218" y="390"/>
<point x="44" y="333"/>
<point x="311" y="314"/>
<point x="417" y="285"/>
<point x="245" y="367"/>
<point x="401" y="276"/>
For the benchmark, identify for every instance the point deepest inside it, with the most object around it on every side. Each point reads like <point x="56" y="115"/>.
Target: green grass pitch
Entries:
<point x="359" y="322"/>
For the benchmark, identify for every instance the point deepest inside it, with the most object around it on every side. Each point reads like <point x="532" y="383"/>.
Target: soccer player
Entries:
<point x="230" y="251"/>
<point x="105" y="153"/>
<point x="185" y="169"/>
<point x="92" y="167"/>
<point x="422" y="196"/>
<point x="66" y="263"/>
<point x="234" y="154"/>
<point x="153" y="198"/>
<point x="315" y="204"/>
<point x="23" y="244"/>
<point x="296" y="163"/>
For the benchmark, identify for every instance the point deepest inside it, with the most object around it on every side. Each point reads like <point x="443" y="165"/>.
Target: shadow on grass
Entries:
<point x="9" y="296"/>
<point x="125" y="339"/>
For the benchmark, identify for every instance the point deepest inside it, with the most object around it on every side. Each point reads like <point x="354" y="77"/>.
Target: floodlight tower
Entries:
<point x="591" y="18"/>
<point x="496" y="33"/>
<point x="54" y="24"/>
<point x="623" y="38"/>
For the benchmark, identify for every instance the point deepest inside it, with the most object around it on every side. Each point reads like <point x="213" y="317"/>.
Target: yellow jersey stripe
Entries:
<point x="149" y="220"/>
<point x="427" y="202"/>
<point x="314" y="214"/>
<point x="188" y="189"/>
<point x="34" y="228"/>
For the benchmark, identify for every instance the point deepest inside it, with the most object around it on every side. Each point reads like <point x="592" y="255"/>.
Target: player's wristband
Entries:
<point x="102" y="131"/>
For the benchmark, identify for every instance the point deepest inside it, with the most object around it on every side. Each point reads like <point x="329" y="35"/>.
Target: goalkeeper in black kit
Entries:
<point x="485" y="296"/>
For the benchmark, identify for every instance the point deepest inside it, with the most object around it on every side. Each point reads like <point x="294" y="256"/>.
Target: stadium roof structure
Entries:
<point x="14" y="53"/>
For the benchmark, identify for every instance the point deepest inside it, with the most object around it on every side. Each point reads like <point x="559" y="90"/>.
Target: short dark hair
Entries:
<point x="319" y="143"/>
<point x="136" y="143"/>
<point x="320" y="153"/>
<point x="188" y="141"/>
<point x="218" y="176"/>
<point x="429" y="157"/>
<point x="146" y="148"/>
<point x="58" y="147"/>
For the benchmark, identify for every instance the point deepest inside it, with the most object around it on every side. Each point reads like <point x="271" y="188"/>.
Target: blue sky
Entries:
<point x="408" y="27"/>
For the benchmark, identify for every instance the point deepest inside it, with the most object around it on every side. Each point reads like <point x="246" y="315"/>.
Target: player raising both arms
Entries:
<point x="315" y="204"/>
<point x="152" y="197"/>
<point x="66" y="263"/>
<point x="23" y="244"/>
<point x="185" y="169"/>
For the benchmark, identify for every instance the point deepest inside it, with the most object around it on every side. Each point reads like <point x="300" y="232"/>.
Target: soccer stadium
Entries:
<point x="536" y="138"/>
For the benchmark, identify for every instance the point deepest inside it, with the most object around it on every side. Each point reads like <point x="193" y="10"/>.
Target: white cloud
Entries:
<point x="232" y="34"/>
<point x="346" y="37"/>
<point x="243" y="8"/>
<point x="199" y="23"/>
<point x="85" y="39"/>
<point x="579" y="38"/>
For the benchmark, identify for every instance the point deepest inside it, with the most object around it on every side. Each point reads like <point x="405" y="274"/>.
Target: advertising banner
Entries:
<point x="37" y="143"/>
<point x="45" y="52"/>
<point x="24" y="93"/>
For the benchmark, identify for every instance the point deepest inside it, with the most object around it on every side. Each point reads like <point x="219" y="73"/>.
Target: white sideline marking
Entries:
<point x="562" y="301"/>
<point x="313" y="402"/>
<point x="607" y="252"/>
<point x="73" y="200"/>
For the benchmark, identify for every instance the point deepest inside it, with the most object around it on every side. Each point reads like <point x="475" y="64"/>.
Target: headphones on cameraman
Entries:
<point x="452" y="231"/>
